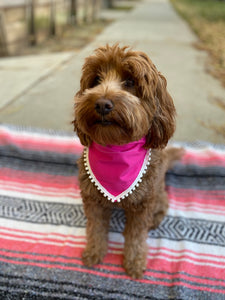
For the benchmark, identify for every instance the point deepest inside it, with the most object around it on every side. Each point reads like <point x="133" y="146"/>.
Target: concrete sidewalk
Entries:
<point x="20" y="74"/>
<point x="154" y="28"/>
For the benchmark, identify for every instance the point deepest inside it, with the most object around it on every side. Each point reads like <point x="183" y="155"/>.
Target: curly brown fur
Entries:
<point x="139" y="105"/>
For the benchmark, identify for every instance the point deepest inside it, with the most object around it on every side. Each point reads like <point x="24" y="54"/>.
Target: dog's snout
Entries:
<point x="103" y="106"/>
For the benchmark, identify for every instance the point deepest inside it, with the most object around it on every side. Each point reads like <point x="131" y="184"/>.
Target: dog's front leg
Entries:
<point x="135" y="248"/>
<point x="96" y="232"/>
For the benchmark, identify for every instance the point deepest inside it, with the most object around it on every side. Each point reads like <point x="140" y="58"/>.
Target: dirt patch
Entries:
<point x="218" y="129"/>
<point x="72" y="39"/>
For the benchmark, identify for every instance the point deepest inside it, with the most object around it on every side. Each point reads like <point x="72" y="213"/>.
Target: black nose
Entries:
<point x="103" y="106"/>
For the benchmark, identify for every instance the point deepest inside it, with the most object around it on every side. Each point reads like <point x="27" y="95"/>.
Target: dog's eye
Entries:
<point x="129" y="83"/>
<point x="96" y="81"/>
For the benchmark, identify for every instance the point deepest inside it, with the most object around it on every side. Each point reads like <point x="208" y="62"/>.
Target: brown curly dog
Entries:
<point x="124" y="117"/>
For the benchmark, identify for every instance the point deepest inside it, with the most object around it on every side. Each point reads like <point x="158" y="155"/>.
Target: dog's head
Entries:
<point x="123" y="98"/>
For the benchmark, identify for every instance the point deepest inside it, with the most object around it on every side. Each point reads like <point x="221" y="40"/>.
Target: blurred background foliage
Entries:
<point x="36" y="26"/>
<point x="207" y="19"/>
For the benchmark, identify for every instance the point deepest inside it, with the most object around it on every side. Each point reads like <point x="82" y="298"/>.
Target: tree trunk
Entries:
<point x="73" y="11"/>
<point x="31" y="22"/>
<point x="3" y="39"/>
<point x="52" y="18"/>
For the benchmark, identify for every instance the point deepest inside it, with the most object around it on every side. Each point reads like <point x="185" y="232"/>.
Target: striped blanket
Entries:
<point x="42" y="227"/>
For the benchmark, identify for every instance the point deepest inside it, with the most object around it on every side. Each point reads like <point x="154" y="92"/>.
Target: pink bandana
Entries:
<point x="117" y="170"/>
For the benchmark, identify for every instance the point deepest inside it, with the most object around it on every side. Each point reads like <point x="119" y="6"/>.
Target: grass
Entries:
<point x="122" y="7"/>
<point x="207" y="19"/>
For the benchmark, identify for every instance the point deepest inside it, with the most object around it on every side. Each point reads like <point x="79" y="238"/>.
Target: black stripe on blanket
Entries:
<point x="39" y="283"/>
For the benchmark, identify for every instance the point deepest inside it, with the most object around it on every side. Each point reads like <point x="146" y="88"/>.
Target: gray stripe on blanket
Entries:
<point x="39" y="162"/>
<point x="45" y="283"/>
<point x="172" y="228"/>
<point x="197" y="177"/>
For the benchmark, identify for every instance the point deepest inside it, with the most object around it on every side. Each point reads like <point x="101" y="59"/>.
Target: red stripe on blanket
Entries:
<point x="38" y="191"/>
<point x="55" y="181"/>
<point x="183" y="258"/>
<point x="196" y="196"/>
<point x="70" y="247"/>
<point x="39" y="179"/>
<point x="208" y="202"/>
<point x="41" y="142"/>
<point x="11" y="176"/>
<point x="206" y="158"/>
<point x="216" y="211"/>
<point x="40" y="234"/>
<point x="54" y="240"/>
<point x="70" y="250"/>
<point x="80" y="239"/>
<point x="186" y="251"/>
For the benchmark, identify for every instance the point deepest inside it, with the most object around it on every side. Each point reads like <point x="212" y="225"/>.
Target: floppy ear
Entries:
<point x="163" y="123"/>
<point x="84" y="138"/>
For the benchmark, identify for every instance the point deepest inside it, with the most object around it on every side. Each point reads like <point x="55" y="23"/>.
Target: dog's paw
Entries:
<point x="91" y="258"/>
<point x="135" y="268"/>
